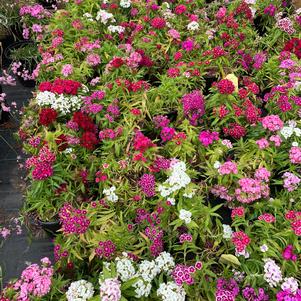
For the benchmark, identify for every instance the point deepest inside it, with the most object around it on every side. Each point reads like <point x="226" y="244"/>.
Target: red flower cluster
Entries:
<point x="293" y="46"/>
<point x="158" y="23"/>
<point x="61" y="86"/>
<point x="47" y="116"/>
<point x="84" y="121"/>
<point x="133" y="86"/>
<point x="225" y="86"/>
<point x="235" y="130"/>
<point x="89" y="140"/>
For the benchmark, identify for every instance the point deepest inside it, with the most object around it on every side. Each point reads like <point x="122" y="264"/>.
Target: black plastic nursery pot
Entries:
<point x="51" y="228"/>
<point x="27" y="83"/>
<point x="48" y="3"/>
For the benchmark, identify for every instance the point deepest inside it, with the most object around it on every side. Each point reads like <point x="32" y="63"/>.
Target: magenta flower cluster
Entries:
<point x="183" y="274"/>
<point x="207" y="137"/>
<point x="106" y="249"/>
<point x="74" y="221"/>
<point x="147" y="184"/>
<point x="193" y="106"/>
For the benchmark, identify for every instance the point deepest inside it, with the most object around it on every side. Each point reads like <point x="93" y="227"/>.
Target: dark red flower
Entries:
<point x="84" y="121"/>
<point x="225" y="86"/>
<point x="47" y="116"/>
<point x="61" y="141"/>
<point x="89" y="140"/>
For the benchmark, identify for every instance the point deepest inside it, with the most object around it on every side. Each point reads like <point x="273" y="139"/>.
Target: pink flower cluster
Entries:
<point x="42" y="164"/>
<point x="110" y="290"/>
<point x="35" y="281"/>
<point x="267" y="217"/>
<point x="109" y="134"/>
<point x="36" y="11"/>
<point x="262" y="174"/>
<point x="84" y="44"/>
<point x="251" y="190"/>
<point x="290" y="181"/>
<point x="183" y="273"/>
<point x="295" y="155"/>
<point x="207" y="137"/>
<point x="74" y="221"/>
<point x="228" y="168"/>
<point x="286" y="25"/>
<point x="67" y="70"/>
<point x="237" y="211"/>
<point x="93" y="59"/>
<point x="241" y="240"/>
<point x="193" y="106"/>
<point x="185" y="237"/>
<point x="160" y="121"/>
<point x="106" y="249"/>
<point x="295" y="219"/>
<point x="221" y="192"/>
<point x="272" y="123"/>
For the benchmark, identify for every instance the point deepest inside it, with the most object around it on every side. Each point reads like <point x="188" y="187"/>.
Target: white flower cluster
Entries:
<point x="115" y="28"/>
<point x="110" y="194"/>
<point x="80" y="290"/>
<point x="165" y="262"/>
<point x="227" y="231"/>
<point x="145" y="271"/>
<point x="185" y="215"/>
<point x="290" y="283"/>
<point x="125" y="3"/>
<point x="142" y="288"/>
<point x="63" y="104"/>
<point x="272" y="272"/>
<point x="193" y="26"/>
<point x="290" y="130"/>
<point x="177" y="180"/>
<point x="148" y="270"/>
<point x="189" y="195"/>
<point x="171" y="292"/>
<point x="88" y="16"/>
<point x="125" y="268"/>
<point x="104" y="16"/>
<point x="217" y="164"/>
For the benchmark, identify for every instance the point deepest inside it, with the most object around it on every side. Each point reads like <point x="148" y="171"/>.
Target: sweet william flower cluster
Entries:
<point x="80" y="290"/>
<point x="167" y="146"/>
